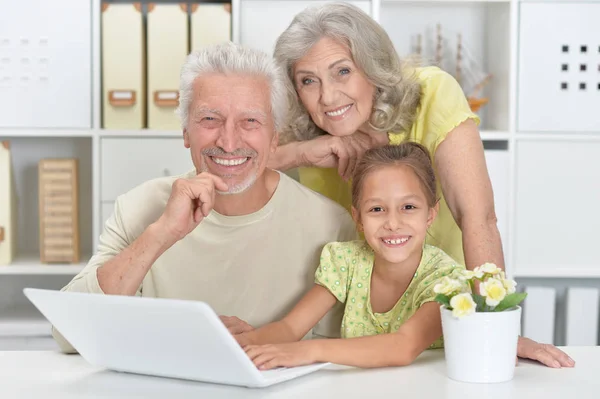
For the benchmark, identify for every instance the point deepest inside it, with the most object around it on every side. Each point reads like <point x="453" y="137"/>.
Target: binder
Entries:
<point x="211" y="24"/>
<point x="123" y="67"/>
<point x="59" y="210"/>
<point x="167" y="38"/>
<point x="8" y="207"/>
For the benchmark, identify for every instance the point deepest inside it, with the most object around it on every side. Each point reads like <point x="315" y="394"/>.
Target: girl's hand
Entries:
<point x="235" y="325"/>
<point x="267" y="357"/>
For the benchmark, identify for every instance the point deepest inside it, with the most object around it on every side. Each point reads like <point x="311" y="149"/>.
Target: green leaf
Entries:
<point x="443" y="299"/>
<point x="480" y="301"/>
<point x="511" y="300"/>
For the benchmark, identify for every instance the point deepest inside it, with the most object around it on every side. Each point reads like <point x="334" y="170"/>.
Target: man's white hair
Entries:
<point x="231" y="58"/>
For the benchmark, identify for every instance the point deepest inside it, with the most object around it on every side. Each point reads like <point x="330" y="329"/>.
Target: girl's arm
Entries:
<point x="397" y="349"/>
<point x="293" y="327"/>
<point x="460" y="162"/>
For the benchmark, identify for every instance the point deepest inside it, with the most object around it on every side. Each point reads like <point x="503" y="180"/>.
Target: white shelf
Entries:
<point x="493" y="135"/>
<point x="23" y="327"/>
<point x="139" y="133"/>
<point x="557" y="272"/>
<point x="30" y="264"/>
<point x="49" y="133"/>
<point x="24" y="132"/>
<point x="445" y="1"/>
<point x="544" y="136"/>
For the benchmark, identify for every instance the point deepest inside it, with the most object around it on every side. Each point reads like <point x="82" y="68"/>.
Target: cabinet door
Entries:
<point x="128" y="162"/>
<point x="556" y="208"/>
<point x="559" y="67"/>
<point x="262" y="21"/>
<point x="45" y="63"/>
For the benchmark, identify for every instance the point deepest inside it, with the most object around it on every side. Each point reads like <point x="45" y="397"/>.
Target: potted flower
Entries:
<point x="481" y="330"/>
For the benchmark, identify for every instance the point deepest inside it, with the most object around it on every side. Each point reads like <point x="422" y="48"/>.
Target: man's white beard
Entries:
<point x="240" y="187"/>
<point x="236" y="188"/>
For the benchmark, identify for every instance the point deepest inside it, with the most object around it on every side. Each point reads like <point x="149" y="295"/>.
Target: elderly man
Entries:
<point x="243" y="238"/>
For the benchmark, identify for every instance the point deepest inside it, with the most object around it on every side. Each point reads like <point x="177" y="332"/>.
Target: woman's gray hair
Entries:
<point x="230" y="58"/>
<point x="398" y="92"/>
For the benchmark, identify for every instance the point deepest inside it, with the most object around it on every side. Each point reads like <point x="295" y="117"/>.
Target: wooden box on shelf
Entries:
<point x="7" y="206"/>
<point x="59" y="213"/>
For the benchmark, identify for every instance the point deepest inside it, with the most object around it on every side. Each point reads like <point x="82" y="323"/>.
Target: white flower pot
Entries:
<point x="481" y="347"/>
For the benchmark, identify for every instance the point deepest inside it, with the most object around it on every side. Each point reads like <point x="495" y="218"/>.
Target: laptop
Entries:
<point x="152" y="336"/>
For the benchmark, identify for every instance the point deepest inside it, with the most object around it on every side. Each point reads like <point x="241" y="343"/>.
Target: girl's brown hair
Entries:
<point x="411" y="154"/>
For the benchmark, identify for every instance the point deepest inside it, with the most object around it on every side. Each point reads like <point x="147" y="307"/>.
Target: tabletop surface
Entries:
<point x="55" y="375"/>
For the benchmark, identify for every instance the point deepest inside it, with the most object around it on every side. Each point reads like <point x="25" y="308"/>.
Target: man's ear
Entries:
<point x="356" y="217"/>
<point x="186" y="138"/>
<point x="433" y="213"/>
<point x="275" y="142"/>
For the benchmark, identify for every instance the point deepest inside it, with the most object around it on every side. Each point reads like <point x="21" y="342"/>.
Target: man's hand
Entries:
<point x="267" y="357"/>
<point x="546" y="354"/>
<point x="190" y="202"/>
<point x="342" y="152"/>
<point x="235" y="325"/>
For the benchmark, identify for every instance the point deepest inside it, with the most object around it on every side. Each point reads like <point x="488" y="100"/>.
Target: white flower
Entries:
<point x="509" y="285"/>
<point x="462" y="305"/>
<point x="493" y="290"/>
<point x="448" y="286"/>
<point x="489" y="268"/>
<point x="469" y="274"/>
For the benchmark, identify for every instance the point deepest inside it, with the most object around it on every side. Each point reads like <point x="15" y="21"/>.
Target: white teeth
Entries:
<point x="339" y="111"/>
<point x="230" y="162"/>
<point x="396" y="241"/>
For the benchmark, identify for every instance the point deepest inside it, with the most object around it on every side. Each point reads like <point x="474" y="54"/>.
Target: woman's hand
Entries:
<point x="329" y="151"/>
<point x="546" y="354"/>
<point x="267" y="357"/>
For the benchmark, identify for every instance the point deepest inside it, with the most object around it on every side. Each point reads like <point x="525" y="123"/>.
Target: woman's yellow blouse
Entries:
<point x="443" y="107"/>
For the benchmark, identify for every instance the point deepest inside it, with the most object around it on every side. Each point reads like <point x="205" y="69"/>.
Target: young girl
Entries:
<point x="386" y="283"/>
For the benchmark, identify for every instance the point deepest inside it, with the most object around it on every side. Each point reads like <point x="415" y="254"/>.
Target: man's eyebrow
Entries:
<point x="206" y="110"/>
<point x="255" y="112"/>
<point x="332" y="65"/>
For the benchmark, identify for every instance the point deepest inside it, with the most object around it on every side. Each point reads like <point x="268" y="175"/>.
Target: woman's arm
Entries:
<point x="397" y="349"/>
<point x="324" y="152"/>
<point x="304" y="316"/>
<point x="461" y="166"/>
<point x="287" y="156"/>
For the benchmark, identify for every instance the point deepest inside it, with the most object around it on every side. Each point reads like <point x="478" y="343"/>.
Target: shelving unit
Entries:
<point x="490" y="28"/>
<point x="30" y="264"/>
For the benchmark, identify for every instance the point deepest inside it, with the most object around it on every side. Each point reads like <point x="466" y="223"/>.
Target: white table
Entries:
<point x="52" y="375"/>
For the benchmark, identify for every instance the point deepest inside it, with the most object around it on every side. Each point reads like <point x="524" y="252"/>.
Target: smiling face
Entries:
<point x="394" y="214"/>
<point x="231" y="131"/>
<point x="336" y="94"/>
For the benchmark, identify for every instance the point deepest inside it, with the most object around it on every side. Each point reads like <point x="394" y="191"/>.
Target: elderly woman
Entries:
<point x="349" y="91"/>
